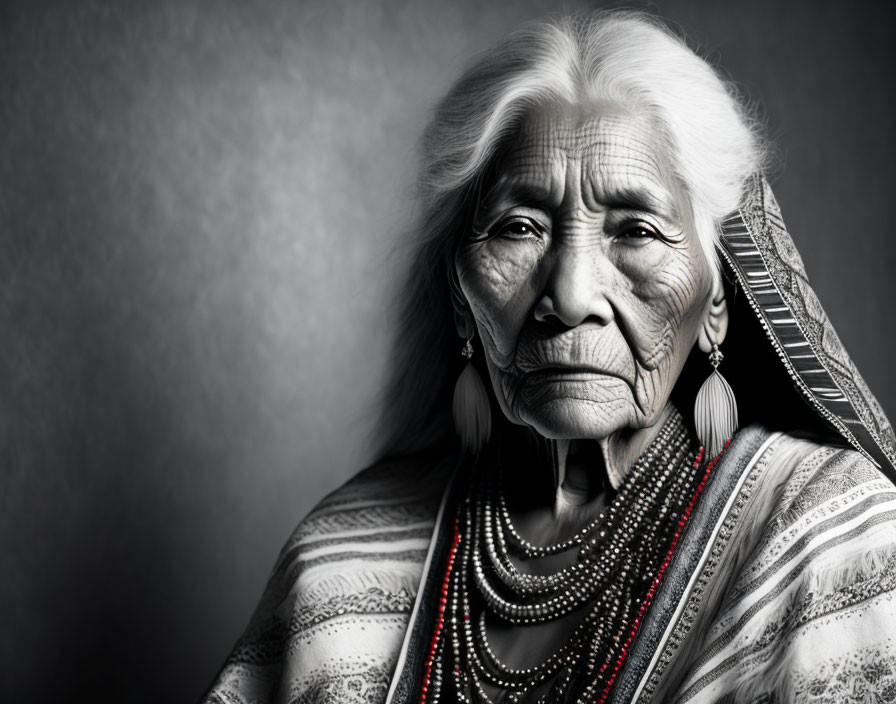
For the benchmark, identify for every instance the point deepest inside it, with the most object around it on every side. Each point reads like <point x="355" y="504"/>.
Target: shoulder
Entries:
<point x="827" y="482"/>
<point x="804" y="605"/>
<point x="814" y="607"/>
<point x="374" y="529"/>
<point x="833" y="523"/>
<point x="393" y="493"/>
<point x="336" y="607"/>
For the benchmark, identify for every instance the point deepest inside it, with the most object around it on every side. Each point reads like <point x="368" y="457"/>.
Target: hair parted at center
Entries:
<point x="628" y="58"/>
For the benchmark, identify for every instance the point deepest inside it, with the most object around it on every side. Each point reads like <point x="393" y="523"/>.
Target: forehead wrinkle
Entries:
<point x="626" y="147"/>
<point x="529" y="177"/>
<point x="626" y="150"/>
<point x="623" y="150"/>
<point x="605" y="141"/>
<point x="595" y="129"/>
<point x="634" y="189"/>
<point x="626" y="177"/>
<point x="628" y="171"/>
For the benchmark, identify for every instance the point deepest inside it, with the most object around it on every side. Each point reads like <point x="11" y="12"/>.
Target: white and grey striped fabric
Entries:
<point x="787" y="588"/>
<point x="794" y="597"/>
<point x="336" y="609"/>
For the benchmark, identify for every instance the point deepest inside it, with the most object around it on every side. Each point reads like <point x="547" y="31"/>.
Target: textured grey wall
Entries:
<point x="196" y="201"/>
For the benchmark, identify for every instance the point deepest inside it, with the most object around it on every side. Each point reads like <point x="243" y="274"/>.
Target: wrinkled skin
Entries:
<point x="583" y="275"/>
<point x="588" y="288"/>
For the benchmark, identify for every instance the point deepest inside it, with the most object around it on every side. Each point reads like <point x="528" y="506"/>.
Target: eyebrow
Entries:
<point x="511" y="193"/>
<point x="638" y="198"/>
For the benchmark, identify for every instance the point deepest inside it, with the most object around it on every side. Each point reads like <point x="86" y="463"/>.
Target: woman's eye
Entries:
<point x="518" y="228"/>
<point x="638" y="231"/>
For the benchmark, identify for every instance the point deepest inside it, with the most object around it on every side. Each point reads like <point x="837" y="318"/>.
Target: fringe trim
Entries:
<point x="769" y="669"/>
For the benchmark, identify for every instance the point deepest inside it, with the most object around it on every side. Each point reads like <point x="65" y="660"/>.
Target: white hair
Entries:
<point x="705" y="132"/>
<point x="623" y="57"/>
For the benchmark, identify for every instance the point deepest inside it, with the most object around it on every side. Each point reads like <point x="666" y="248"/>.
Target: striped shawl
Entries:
<point x="783" y="588"/>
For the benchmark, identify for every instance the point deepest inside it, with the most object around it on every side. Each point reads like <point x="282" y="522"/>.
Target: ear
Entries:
<point x="715" y="324"/>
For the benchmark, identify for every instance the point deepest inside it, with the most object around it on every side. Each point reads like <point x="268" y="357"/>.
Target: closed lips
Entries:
<point x="568" y="373"/>
<point x="584" y="350"/>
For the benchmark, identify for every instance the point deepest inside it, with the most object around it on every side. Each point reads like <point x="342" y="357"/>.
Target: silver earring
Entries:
<point x="471" y="409"/>
<point x="715" y="411"/>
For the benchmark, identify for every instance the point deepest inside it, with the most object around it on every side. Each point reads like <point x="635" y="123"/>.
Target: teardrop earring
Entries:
<point x="715" y="410"/>
<point x="471" y="409"/>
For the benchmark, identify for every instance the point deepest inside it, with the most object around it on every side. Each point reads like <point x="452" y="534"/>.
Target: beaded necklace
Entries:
<point x="617" y="567"/>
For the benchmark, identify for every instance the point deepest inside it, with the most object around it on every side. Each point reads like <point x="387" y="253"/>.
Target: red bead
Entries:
<point x="440" y="622"/>
<point x="665" y="564"/>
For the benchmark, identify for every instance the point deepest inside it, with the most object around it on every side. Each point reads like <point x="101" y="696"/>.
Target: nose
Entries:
<point x="575" y="290"/>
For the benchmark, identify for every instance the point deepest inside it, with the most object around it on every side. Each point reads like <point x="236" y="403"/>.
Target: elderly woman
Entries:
<point x="616" y="522"/>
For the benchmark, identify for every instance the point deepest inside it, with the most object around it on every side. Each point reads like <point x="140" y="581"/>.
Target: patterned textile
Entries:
<point x="793" y="597"/>
<point x="812" y="615"/>
<point x="761" y="255"/>
<point x="336" y="608"/>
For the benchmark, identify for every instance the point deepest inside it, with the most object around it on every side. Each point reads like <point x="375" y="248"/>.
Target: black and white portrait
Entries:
<point x="434" y="352"/>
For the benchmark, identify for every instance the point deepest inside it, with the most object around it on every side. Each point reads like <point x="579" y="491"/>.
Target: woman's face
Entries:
<point x="585" y="280"/>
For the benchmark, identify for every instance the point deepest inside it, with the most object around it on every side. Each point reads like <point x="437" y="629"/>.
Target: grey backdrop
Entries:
<point x="196" y="201"/>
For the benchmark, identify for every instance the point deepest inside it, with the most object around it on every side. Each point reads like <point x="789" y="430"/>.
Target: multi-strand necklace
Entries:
<point x="616" y="559"/>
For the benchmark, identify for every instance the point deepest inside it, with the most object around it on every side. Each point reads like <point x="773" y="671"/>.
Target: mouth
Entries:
<point x="559" y="374"/>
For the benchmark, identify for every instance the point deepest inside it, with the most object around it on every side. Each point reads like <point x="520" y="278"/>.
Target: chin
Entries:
<point x="571" y="418"/>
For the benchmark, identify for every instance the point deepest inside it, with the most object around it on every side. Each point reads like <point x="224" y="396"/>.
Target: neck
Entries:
<point x="583" y="468"/>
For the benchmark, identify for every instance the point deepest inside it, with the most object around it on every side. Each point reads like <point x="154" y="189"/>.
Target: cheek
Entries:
<point x="672" y="284"/>
<point x="670" y="289"/>
<point x="497" y="278"/>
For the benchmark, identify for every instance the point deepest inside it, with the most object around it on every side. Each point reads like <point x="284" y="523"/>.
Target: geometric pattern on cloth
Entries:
<point x="811" y="613"/>
<point x="865" y="675"/>
<point x="796" y="600"/>
<point x="336" y="607"/>
<point x="762" y="256"/>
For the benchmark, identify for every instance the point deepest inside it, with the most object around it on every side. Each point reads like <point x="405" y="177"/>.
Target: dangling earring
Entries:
<point x="715" y="411"/>
<point x="471" y="410"/>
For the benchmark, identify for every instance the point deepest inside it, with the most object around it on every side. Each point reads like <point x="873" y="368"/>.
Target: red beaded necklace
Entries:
<point x="622" y="557"/>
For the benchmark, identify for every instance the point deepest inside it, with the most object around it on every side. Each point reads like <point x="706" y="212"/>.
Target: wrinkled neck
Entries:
<point x="584" y="469"/>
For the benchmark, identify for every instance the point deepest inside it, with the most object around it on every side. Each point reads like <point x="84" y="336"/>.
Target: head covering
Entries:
<point x="761" y="257"/>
